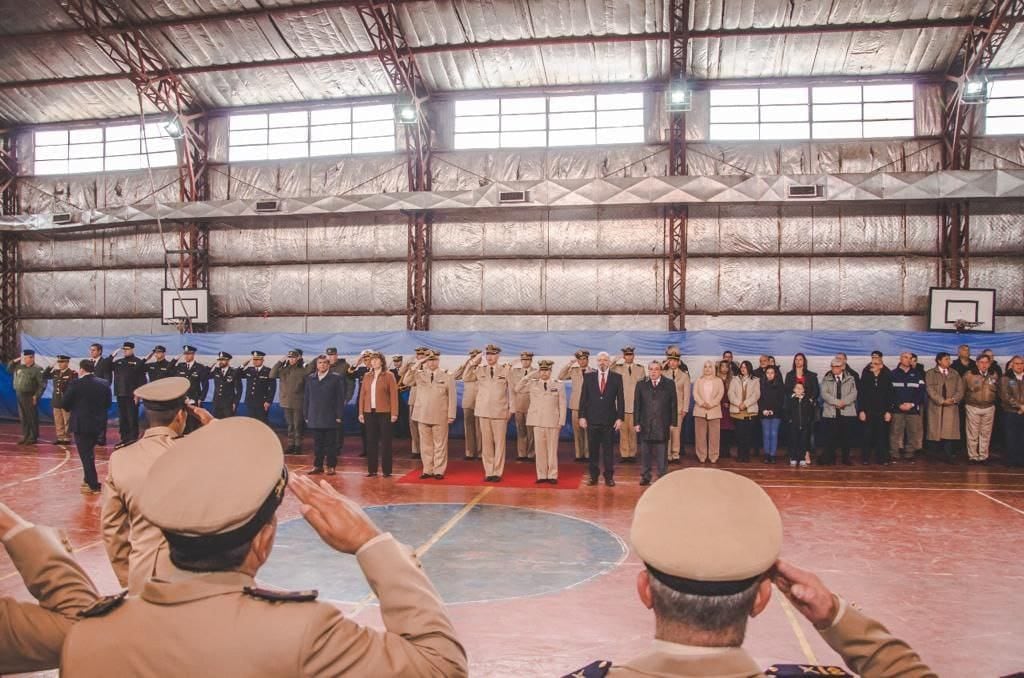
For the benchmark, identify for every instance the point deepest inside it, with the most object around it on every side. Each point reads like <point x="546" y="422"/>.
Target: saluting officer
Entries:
<point x="493" y="408"/>
<point x="545" y="418"/>
<point x="29" y="385"/>
<point x="471" y="429"/>
<point x="198" y="375"/>
<point x="61" y="376"/>
<point x="129" y="374"/>
<point x="292" y="372"/>
<point x="414" y="429"/>
<point x="339" y="366"/>
<point x="434" y="412"/>
<point x="259" y="387"/>
<point x="521" y="404"/>
<point x="574" y="372"/>
<point x="676" y="371"/>
<point x="632" y="374"/>
<point x="157" y="364"/>
<point x="227" y="387"/>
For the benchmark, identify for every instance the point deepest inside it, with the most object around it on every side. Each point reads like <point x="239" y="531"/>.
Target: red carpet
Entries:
<point x="517" y="474"/>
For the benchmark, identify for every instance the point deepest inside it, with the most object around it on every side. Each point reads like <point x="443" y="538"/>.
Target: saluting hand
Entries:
<point x="339" y="521"/>
<point x="807" y="593"/>
<point x="202" y="415"/>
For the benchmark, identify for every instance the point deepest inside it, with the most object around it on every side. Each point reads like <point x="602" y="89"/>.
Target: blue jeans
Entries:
<point x="770" y="431"/>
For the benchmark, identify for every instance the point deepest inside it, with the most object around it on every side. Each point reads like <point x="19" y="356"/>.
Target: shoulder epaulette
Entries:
<point x="806" y="671"/>
<point x="281" y="596"/>
<point x="598" y="669"/>
<point x="103" y="605"/>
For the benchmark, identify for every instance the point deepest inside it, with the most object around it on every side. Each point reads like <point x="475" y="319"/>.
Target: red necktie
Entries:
<point x="602" y="383"/>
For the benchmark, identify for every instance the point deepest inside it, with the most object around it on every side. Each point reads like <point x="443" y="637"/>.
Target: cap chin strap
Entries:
<point x="702" y="588"/>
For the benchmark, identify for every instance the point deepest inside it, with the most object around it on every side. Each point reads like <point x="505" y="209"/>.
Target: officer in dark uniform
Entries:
<point x="340" y="367"/>
<point x="129" y="374"/>
<point x="198" y="376"/>
<point x="102" y="368"/>
<point x="61" y="375"/>
<point x="157" y="364"/>
<point x="259" y="387"/>
<point x="227" y="387"/>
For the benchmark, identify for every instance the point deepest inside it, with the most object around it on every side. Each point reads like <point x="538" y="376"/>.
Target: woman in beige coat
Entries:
<point x="707" y="413"/>
<point x="744" y="394"/>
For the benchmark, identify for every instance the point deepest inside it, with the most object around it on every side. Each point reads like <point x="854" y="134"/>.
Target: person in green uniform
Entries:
<point x="29" y="384"/>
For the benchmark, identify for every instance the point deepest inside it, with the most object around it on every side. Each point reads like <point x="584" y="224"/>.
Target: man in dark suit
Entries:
<point x="88" y="399"/>
<point x="323" y="407"/>
<point x="654" y="412"/>
<point x="103" y="368"/>
<point x="602" y="408"/>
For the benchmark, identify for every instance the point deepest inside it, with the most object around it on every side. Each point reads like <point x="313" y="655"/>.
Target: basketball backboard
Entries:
<point x="188" y="306"/>
<point x="961" y="310"/>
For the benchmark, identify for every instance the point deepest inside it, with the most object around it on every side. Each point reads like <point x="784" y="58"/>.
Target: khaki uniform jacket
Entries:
<point x="1011" y="392"/>
<point x="744" y="395"/>
<point x="632" y="375"/>
<point x="131" y="541"/>
<point x="575" y="376"/>
<point x="293" y="382"/>
<point x="31" y="635"/>
<point x="435" y="404"/>
<point x="682" y="382"/>
<point x="943" y="420"/>
<point x="206" y="625"/>
<point x="468" y="387"/>
<point x="981" y="391"/>
<point x="493" y="395"/>
<point x="547" y="405"/>
<point x="407" y="365"/>
<point x="521" y="401"/>
<point x="713" y="408"/>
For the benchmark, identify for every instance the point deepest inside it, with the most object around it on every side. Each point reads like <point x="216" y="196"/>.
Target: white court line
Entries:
<point x="879" y="487"/>
<point x="1012" y="508"/>
<point x="67" y="457"/>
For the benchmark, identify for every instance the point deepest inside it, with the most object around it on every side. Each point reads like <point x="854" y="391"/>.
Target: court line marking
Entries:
<point x="65" y="460"/>
<point x="881" y="487"/>
<point x="1012" y="508"/>
<point x="805" y="645"/>
<point x="433" y="539"/>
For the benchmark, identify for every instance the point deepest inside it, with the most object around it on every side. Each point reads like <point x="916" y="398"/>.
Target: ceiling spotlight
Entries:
<point x="406" y="111"/>
<point x="975" y="90"/>
<point x="679" y="97"/>
<point x="174" y="128"/>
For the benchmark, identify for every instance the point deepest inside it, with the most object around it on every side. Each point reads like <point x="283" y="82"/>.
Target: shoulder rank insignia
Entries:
<point x="103" y="606"/>
<point x="806" y="671"/>
<point x="281" y="596"/>
<point x="598" y="669"/>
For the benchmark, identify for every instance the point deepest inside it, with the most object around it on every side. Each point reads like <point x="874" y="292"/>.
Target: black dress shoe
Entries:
<point x="497" y="479"/>
<point x="362" y="454"/>
<point x="438" y="476"/>
<point x="371" y="475"/>
<point x="424" y="476"/>
<point x="315" y="472"/>
<point x="552" y="481"/>
<point x="610" y="482"/>
<point x="591" y="481"/>
<point x="387" y="475"/>
<point x="539" y="481"/>
<point x="331" y="471"/>
<point x="645" y="481"/>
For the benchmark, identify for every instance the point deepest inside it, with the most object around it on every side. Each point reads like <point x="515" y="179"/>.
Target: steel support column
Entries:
<point x="676" y="215"/>
<point x="418" y="278"/>
<point x="9" y="303"/>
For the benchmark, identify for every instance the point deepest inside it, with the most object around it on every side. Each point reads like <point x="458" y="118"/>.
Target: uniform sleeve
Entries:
<point x="31" y="635"/>
<point x="116" y="530"/>
<point x="470" y="374"/>
<point x="275" y="371"/>
<point x="869" y="649"/>
<point x="563" y="404"/>
<point x="564" y="374"/>
<point x="452" y="400"/>
<point x="409" y="376"/>
<point x="418" y="640"/>
<point x="684" y="403"/>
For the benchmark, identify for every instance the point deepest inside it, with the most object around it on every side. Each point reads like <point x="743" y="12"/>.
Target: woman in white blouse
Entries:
<point x="707" y="413"/>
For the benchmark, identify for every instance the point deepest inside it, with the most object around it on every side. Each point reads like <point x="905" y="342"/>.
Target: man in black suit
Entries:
<point x="654" y="412"/>
<point x="103" y="368"/>
<point x="602" y="409"/>
<point x="88" y="399"/>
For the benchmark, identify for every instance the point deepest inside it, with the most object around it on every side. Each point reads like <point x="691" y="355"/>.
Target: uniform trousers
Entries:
<point x="979" y="430"/>
<point x="627" y="437"/>
<point x="545" y="441"/>
<point x="876" y="439"/>
<point x="128" y="418"/>
<point x="223" y="410"/>
<point x="414" y="434"/>
<point x="85" y="443"/>
<point x="434" y="447"/>
<point x="472" y="432"/>
<point x="524" y="438"/>
<point x="325" y="447"/>
<point x="748" y="437"/>
<point x="28" y="413"/>
<point x="378" y="441"/>
<point x="1013" y="427"/>
<point x="676" y="437"/>
<point x="256" y="411"/>
<point x="579" y="437"/>
<point x="652" y="453"/>
<point x="293" y="418"/>
<point x="905" y="425"/>
<point x="707" y="434"/>
<point x="599" y="438"/>
<point x="492" y="434"/>
<point x="60" y="423"/>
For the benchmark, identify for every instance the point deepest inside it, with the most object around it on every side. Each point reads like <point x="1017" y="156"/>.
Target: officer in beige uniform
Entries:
<point x="215" y="494"/>
<point x="521" y="404"/>
<point x="545" y="417"/>
<point x="131" y="541"/>
<point x="414" y="429"/>
<point x="469" y="422"/>
<point x="632" y="374"/>
<point x="704" y="578"/>
<point x="574" y="372"/>
<point x="434" y="412"/>
<point x="493" y="408"/>
<point x="32" y="634"/>
<point x="681" y="378"/>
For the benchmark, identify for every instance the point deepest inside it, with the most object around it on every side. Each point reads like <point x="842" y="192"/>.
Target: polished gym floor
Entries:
<point x="541" y="581"/>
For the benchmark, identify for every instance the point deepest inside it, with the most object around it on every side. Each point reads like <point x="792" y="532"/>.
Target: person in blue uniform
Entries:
<point x="157" y="364"/>
<point x="129" y="374"/>
<point x="227" y="387"/>
<point x="259" y="386"/>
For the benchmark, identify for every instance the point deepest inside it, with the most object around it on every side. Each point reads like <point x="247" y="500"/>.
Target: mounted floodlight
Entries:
<point x="406" y="112"/>
<point x="174" y="128"/>
<point x="679" y="97"/>
<point x="975" y="90"/>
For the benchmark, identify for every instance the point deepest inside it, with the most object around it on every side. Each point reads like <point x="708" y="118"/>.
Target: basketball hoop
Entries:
<point x="962" y="325"/>
<point x="182" y="324"/>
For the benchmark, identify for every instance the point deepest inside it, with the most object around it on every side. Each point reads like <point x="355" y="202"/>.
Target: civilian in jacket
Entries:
<point x="801" y="375"/>
<point x="981" y="391"/>
<point x="61" y="376"/>
<point x="908" y="405"/>
<point x="433" y="413"/>
<point x="838" y="411"/>
<point x="378" y="409"/>
<point x="88" y="399"/>
<point x="292" y="373"/>
<point x="654" y="412"/>
<point x="708" y="392"/>
<point x="29" y="384"/>
<point x="945" y="391"/>
<point x="545" y="417"/>
<point x="323" y="406"/>
<point x="602" y="407"/>
<point x="800" y="414"/>
<point x="1011" y="397"/>
<point x="771" y="404"/>
<point x="744" y="395"/>
<point x="340" y="367"/>
<point x="874" y="409"/>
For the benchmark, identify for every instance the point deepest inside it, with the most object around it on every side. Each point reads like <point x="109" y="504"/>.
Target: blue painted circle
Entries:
<point x="493" y="552"/>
